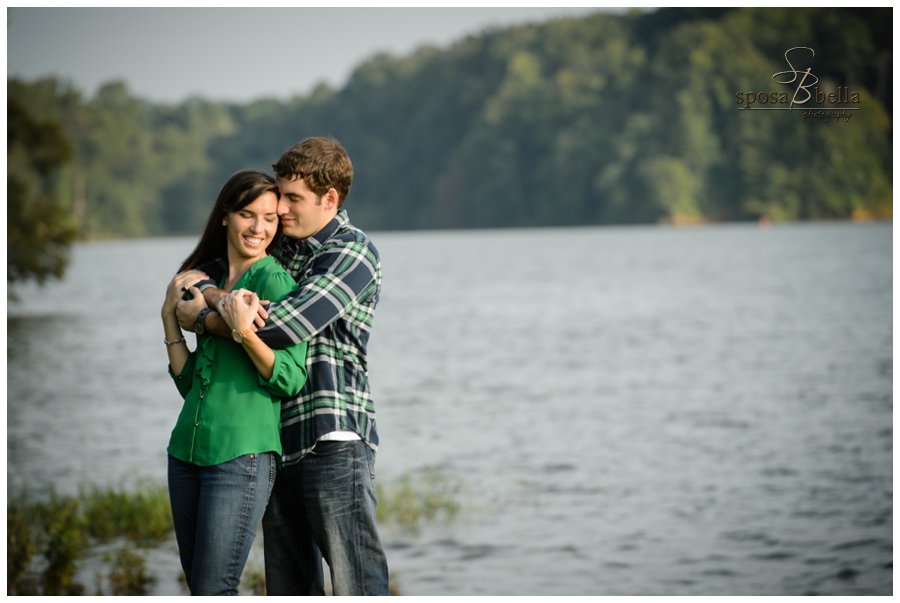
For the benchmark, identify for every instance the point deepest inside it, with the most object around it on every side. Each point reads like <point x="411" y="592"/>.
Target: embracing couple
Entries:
<point x="277" y="425"/>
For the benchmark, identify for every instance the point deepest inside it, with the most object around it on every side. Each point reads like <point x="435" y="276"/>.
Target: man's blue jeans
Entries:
<point x="324" y="505"/>
<point x="216" y="511"/>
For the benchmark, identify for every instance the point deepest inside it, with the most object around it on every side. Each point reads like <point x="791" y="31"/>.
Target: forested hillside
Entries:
<point x="609" y="119"/>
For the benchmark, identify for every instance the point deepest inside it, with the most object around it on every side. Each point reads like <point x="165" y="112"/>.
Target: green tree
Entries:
<point x="39" y="229"/>
<point x="596" y="120"/>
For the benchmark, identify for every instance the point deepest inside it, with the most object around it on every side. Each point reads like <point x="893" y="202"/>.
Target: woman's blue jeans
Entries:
<point x="324" y="505"/>
<point x="216" y="511"/>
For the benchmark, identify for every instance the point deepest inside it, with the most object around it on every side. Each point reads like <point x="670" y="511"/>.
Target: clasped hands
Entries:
<point x="238" y="308"/>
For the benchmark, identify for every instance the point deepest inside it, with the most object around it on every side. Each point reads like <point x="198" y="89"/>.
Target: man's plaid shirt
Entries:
<point x="338" y="273"/>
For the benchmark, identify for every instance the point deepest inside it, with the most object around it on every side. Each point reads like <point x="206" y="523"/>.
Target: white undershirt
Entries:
<point x="340" y="436"/>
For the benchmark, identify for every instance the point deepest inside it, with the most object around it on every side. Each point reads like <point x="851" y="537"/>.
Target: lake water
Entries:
<point x="626" y="411"/>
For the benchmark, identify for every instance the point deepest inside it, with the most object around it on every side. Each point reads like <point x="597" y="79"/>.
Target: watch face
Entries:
<point x="236" y="335"/>
<point x="200" y="324"/>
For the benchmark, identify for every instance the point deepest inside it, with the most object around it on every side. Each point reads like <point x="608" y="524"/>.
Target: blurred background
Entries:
<point x="636" y="330"/>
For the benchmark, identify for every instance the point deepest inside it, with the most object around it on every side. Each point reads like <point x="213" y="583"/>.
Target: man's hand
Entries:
<point x="261" y="315"/>
<point x="177" y="287"/>
<point x="186" y="311"/>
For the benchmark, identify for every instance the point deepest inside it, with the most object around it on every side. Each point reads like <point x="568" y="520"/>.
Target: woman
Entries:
<point x="223" y="449"/>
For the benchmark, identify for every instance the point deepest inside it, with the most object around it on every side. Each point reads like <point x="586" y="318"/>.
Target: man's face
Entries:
<point x="302" y="213"/>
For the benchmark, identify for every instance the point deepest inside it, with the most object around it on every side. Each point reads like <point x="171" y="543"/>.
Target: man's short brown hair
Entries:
<point x="322" y="163"/>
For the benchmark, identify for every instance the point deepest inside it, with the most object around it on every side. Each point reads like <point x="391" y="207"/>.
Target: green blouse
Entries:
<point x="229" y="409"/>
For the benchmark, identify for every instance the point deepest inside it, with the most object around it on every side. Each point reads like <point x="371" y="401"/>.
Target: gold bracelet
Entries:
<point x="174" y="341"/>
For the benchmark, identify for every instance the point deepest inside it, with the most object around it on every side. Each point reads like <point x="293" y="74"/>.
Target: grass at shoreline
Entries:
<point x="143" y="516"/>
<point x="418" y="498"/>
<point x="46" y="537"/>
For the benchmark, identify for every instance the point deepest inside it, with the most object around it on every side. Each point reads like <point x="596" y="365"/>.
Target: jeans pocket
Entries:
<point x="331" y="448"/>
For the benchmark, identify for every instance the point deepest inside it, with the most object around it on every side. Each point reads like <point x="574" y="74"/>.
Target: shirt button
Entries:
<point x="196" y="424"/>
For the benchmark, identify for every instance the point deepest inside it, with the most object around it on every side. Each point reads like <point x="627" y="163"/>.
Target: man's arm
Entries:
<point x="205" y="278"/>
<point x="214" y="324"/>
<point x="210" y="274"/>
<point x="341" y="274"/>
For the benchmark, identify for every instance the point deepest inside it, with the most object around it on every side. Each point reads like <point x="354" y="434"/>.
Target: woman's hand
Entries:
<point x="192" y="277"/>
<point x="175" y="291"/>
<point x="239" y="309"/>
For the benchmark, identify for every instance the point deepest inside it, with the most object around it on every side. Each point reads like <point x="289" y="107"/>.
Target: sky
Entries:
<point x="233" y="54"/>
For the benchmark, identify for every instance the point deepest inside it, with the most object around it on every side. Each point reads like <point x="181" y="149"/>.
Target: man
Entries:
<point x="323" y="502"/>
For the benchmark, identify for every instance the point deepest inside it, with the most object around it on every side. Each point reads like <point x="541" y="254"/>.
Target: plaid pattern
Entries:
<point x="338" y="273"/>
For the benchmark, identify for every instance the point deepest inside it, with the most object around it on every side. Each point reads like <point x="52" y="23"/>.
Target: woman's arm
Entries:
<point x="282" y="372"/>
<point x="239" y="309"/>
<point x="176" y="346"/>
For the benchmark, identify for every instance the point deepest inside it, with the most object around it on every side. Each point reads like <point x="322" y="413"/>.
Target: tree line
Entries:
<point x="605" y="119"/>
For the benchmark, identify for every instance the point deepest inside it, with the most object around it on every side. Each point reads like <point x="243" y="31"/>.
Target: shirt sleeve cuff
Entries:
<point x="276" y="372"/>
<point x="285" y="377"/>
<point x="273" y="382"/>
<point x="204" y="285"/>
<point x="182" y="381"/>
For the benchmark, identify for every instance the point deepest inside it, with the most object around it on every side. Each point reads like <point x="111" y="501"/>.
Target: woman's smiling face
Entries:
<point x="251" y="228"/>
